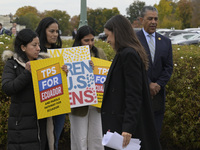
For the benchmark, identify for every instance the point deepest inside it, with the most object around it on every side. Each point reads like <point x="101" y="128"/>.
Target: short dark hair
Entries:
<point x="147" y="8"/>
<point x="84" y="31"/>
<point x="125" y="36"/>
<point x="24" y="37"/>
<point x="1" y="24"/>
<point x="41" y="31"/>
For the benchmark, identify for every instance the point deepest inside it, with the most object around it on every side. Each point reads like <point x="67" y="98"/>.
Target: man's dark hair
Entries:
<point x="147" y="8"/>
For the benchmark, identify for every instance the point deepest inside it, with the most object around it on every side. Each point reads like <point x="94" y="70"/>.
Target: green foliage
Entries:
<point x="184" y="10"/>
<point x="133" y="11"/>
<point x="167" y="14"/>
<point x="181" y="123"/>
<point x="5" y="43"/>
<point x="67" y="43"/>
<point x="164" y="8"/>
<point x="172" y="13"/>
<point x="24" y="10"/>
<point x="30" y="20"/>
<point x="169" y="22"/>
<point x="195" y="13"/>
<point x="74" y="22"/>
<point x="98" y="17"/>
<point x="30" y="17"/>
<point x="107" y="49"/>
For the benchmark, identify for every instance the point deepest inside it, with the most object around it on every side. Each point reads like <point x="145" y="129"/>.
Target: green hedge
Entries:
<point x="5" y="43"/>
<point x="181" y="129"/>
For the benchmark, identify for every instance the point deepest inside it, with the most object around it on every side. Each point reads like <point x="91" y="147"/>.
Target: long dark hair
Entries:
<point x="24" y="37"/>
<point x="125" y="36"/>
<point x="84" y="31"/>
<point x="41" y="31"/>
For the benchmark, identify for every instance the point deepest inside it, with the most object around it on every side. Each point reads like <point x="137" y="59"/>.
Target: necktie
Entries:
<point x="151" y="47"/>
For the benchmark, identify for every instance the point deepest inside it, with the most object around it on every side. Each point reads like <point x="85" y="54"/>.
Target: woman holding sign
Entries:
<point x="126" y="107"/>
<point x="86" y="130"/>
<point x="48" y="32"/>
<point x="25" y="131"/>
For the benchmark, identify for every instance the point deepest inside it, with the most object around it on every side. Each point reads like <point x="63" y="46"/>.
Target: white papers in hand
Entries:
<point x="115" y="140"/>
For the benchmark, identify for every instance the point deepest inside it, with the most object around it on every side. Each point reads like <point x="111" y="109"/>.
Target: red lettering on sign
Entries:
<point x="81" y="97"/>
<point x="51" y="93"/>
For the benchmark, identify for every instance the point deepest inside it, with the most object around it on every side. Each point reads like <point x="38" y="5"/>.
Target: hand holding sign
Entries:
<point x="28" y="66"/>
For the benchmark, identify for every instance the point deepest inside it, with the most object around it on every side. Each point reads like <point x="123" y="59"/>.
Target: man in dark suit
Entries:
<point x="159" y="51"/>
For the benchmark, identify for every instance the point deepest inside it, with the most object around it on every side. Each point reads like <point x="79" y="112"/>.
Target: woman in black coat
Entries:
<point x="126" y="106"/>
<point x="25" y="131"/>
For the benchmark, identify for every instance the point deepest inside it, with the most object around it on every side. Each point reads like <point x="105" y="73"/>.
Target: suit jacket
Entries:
<point x="161" y="69"/>
<point x="126" y="102"/>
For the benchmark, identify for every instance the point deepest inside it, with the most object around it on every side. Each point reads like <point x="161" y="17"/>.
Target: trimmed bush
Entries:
<point x="181" y="128"/>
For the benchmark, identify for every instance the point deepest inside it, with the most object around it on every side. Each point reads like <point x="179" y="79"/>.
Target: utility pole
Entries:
<point x="83" y="17"/>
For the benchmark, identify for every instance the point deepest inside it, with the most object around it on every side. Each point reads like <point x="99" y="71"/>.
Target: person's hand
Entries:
<point x="127" y="137"/>
<point x="64" y="68"/>
<point x="28" y="66"/>
<point x="92" y="64"/>
<point x="154" y="88"/>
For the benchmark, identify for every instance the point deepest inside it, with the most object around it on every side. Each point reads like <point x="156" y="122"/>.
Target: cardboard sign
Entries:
<point x="50" y="87"/>
<point x="101" y="68"/>
<point x="80" y="77"/>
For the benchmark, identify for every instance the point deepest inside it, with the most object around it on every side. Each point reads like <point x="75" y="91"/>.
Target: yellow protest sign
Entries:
<point x="50" y="87"/>
<point x="101" y="68"/>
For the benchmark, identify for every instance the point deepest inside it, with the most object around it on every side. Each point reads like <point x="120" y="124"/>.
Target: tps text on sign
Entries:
<point x="101" y="68"/>
<point x="50" y="82"/>
<point x="50" y="87"/>
<point x="100" y="74"/>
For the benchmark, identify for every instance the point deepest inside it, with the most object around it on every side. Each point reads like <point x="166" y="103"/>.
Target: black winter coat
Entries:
<point x="24" y="130"/>
<point x="126" y="103"/>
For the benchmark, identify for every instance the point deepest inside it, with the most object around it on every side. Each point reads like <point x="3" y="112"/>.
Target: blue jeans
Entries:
<point x="59" y="122"/>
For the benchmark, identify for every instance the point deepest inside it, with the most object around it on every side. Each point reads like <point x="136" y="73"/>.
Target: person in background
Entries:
<point x="14" y="32"/>
<point x="159" y="50"/>
<point x="14" y="25"/>
<point x="86" y="130"/>
<point x="126" y="107"/>
<point x="48" y="32"/>
<point x="3" y="30"/>
<point x="25" y="131"/>
<point x="74" y="33"/>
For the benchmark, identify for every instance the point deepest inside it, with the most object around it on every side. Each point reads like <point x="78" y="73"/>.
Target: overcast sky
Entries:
<point x="72" y="7"/>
